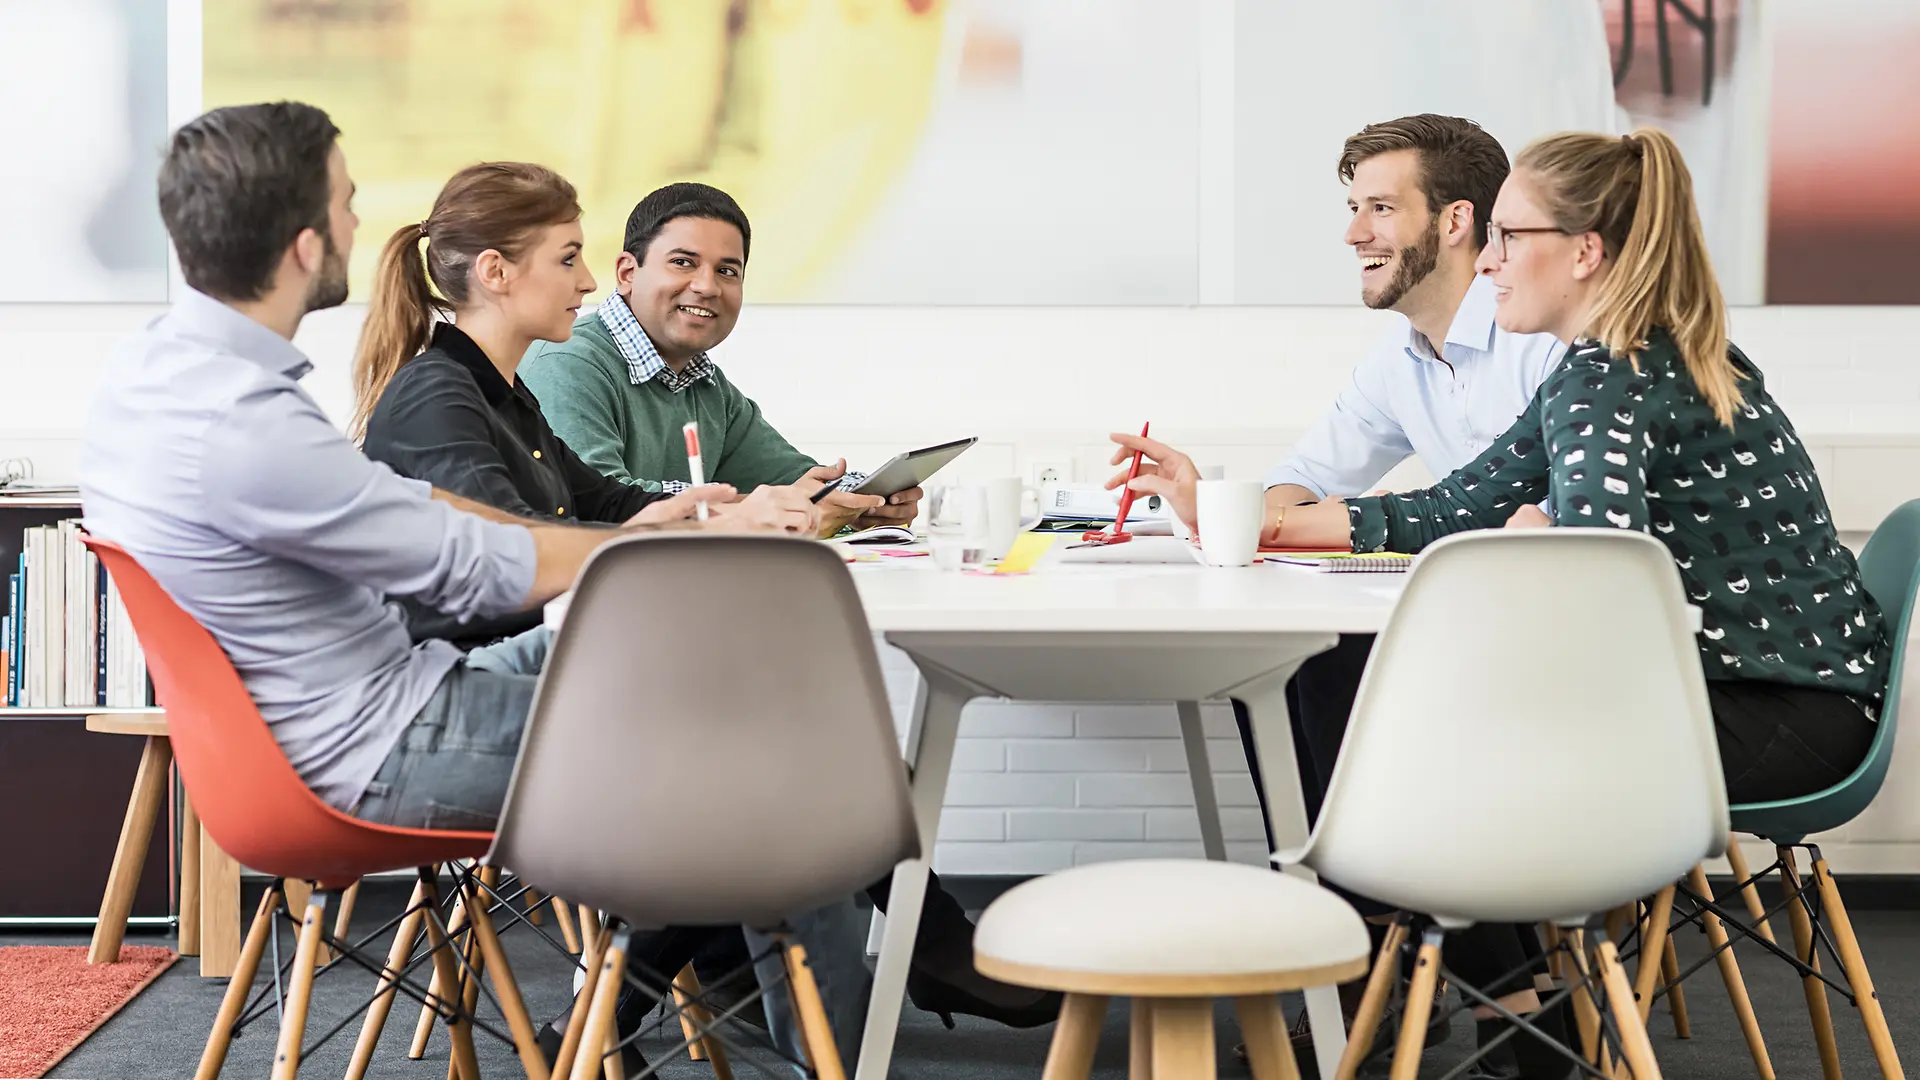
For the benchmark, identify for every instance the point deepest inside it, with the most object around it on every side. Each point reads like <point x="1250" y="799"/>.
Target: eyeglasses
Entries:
<point x="1497" y="237"/>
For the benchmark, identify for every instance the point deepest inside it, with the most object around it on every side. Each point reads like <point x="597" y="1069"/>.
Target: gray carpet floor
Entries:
<point x="161" y="1033"/>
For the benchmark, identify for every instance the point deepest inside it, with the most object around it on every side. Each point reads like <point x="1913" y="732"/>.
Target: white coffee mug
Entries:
<point x="1006" y="496"/>
<point x="1207" y="472"/>
<point x="1230" y="513"/>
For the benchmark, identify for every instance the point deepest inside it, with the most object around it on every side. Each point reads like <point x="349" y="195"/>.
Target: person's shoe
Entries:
<point x="969" y="993"/>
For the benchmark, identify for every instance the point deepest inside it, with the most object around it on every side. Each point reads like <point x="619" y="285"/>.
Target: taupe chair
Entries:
<point x="683" y="658"/>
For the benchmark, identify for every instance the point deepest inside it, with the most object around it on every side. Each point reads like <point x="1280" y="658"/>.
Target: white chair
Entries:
<point x="1172" y="934"/>
<point x="1531" y="743"/>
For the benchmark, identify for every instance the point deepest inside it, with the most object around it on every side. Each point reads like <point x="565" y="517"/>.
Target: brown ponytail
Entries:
<point x="1636" y="192"/>
<point x="495" y="206"/>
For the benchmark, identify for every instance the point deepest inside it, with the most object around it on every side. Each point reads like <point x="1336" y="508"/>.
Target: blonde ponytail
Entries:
<point x="1636" y="192"/>
<point x="399" y="322"/>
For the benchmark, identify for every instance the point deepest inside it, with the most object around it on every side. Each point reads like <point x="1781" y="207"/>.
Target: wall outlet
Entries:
<point x="1049" y="472"/>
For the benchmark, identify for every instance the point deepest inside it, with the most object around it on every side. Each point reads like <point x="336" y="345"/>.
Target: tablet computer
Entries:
<point x="913" y="468"/>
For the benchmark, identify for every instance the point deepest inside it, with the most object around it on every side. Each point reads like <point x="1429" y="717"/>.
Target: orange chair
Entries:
<point x="256" y="808"/>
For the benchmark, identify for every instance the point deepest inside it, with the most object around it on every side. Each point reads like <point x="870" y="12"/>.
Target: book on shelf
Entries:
<point x="69" y="643"/>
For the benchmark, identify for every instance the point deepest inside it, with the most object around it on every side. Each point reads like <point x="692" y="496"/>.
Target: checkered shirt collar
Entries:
<point x="643" y="360"/>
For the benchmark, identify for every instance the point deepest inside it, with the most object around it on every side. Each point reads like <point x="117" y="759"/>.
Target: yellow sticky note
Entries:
<point x="1025" y="552"/>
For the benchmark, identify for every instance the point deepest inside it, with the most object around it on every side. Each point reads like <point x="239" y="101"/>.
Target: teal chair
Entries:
<point x="1890" y="568"/>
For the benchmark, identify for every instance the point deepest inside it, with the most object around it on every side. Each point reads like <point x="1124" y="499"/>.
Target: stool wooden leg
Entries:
<point x="563" y="915"/>
<point x="1269" y="1050"/>
<point x="512" y="1005"/>
<point x="130" y="855"/>
<point x="478" y="903"/>
<point x="447" y="975"/>
<point x="1140" y="1040"/>
<point x="1373" y="1004"/>
<point x="293" y="1025"/>
<point x="189" y="878"/>
<point x="1855" y="965"/>
<point x="1634" y="1044"/>
<point x="219" y="910"/>
<point x="1804" y="947"/>
<point x="1676" y="994"/>
<point x="1413" y="1024"/>
<point x="1075" y="1037"/>
<point x="822" y="1052"/>
<point x="595" y="955"/>
<point x="1183" y="1039"/>
<point x="1749" y="893"/>
<point x="1730" y="974"/>
<point x="376" y="1019"/>
<point x="343" y="922"/>
<point x="241" y="985"/>
<point x="1653" y="951"/>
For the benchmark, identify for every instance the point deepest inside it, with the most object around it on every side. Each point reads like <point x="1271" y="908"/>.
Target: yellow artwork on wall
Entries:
<point x="806" y="111"/>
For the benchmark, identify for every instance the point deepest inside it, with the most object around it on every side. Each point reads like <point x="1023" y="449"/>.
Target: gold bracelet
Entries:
<point x="1279" y="518"/>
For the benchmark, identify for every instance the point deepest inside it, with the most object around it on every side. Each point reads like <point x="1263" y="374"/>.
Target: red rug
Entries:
<point x="51" y="999"/>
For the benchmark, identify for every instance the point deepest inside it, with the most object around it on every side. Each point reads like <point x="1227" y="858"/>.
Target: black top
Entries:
<point x="450" y="418"/>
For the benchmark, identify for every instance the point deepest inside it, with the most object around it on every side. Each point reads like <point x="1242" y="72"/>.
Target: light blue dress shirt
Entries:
<point x="205" y="458"/>
<point x="1405" y="400"/>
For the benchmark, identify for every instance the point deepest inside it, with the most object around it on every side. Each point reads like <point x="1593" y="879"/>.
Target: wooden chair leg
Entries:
<point x="1818" y="1008"/>
<point x="1585" y="1016"/>
<point x="822" y="1052"/>
<point x="1551" y="934"/>
<point x="1676" y="994"/>
<point x="512" y="1005"/>
<point x="376" y="1019"/>
<point x="1413" y="1023"/>
<point x="343" y="922"/>
<point x="694" y="1017"/>
<point x="189" y="907"/>
<point x="241" y="985"/>
<point x="599" y="1022"/>
<point x="591" y="959"/>
<point x="447" y="975"/>
<point x="533" y="901"/>
<point x="130" y="854"/>
<point x="293" y="1025"/>
<point x="1855" y="964"/>
<point x="1653" y="951"/>
<point x="1730" y="975"/>
<point x="1749" y="893"/>
<point x="1634" y="1044"/>
<point x="478" y="903"/>
<point x="1075" y="1038"/>
<point x="1373" y="1003"/>
<point x="1269" y="1050"/>
<point x="423" y="1028"/>
<point x="563" y="914"/>
<point x="1183" y="1039"/>
<point x="1140" y="1040"/>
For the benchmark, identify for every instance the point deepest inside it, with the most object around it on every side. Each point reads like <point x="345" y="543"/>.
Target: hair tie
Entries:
<point x="1632" y="144"/>
<point x="421" y="227"/>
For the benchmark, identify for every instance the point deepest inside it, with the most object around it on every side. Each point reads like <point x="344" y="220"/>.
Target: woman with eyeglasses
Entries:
<point x="1654" y="422"/>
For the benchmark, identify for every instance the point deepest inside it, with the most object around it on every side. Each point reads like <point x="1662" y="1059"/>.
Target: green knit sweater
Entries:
<point x="632" y="432"/>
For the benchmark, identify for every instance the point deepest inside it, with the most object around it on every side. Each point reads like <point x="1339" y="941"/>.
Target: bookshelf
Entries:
<point x="63" y="789"/>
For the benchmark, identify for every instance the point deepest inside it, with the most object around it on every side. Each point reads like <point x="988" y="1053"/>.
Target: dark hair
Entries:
<point x="497" y="205"/>
<point x="1458" y="161"/>
<point x="238" y="185"/>
<point x="682" y="201"/>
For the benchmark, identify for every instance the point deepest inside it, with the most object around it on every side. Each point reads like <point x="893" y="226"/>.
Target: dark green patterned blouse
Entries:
<point x="1740" y="508"/>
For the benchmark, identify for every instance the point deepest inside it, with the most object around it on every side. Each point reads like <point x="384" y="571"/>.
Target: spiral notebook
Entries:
<point x="1388" y="562"/>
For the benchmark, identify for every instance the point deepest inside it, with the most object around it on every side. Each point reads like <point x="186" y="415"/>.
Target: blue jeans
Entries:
<point x="450" y="771"/>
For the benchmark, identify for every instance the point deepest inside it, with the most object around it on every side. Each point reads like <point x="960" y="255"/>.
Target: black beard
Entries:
<point x="330" y="288"/>
<point x="1416" y="262"/>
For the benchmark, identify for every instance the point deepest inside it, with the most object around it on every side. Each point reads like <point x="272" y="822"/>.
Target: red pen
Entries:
<point x="1119" y="533"/>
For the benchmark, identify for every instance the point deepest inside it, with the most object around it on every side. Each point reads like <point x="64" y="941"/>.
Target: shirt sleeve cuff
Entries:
<point x="1367" y="524"/>
<point x="512" y="546"/>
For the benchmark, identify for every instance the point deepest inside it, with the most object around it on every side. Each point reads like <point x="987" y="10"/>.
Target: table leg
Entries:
<point x="1266" y="702"/>
<point x="219" y="910"/>
<point x="189" y="877"/>
<point x="1200" y="769"/>
<point x="932" y="734"/>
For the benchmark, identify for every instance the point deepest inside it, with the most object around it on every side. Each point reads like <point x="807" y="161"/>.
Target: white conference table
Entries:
<point x="1106" y="632"/>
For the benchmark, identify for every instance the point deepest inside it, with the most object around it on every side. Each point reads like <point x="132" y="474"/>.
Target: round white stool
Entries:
<point x="1172" y="934"/>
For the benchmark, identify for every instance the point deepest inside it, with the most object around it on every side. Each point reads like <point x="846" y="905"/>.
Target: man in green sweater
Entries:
<point x="636" y="371"/>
